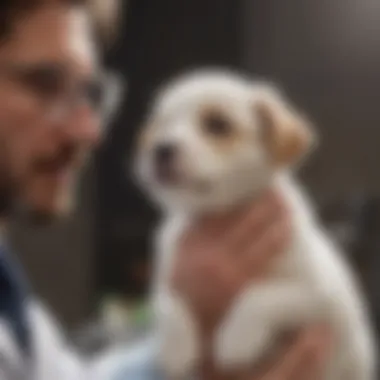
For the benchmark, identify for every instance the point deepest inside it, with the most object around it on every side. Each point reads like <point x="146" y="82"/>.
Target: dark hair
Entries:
<point x="13" y="10"/>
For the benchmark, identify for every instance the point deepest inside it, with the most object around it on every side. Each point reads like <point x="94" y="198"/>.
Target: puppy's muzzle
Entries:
<point x="165" y="154"/>
<point x="165" y="157"/>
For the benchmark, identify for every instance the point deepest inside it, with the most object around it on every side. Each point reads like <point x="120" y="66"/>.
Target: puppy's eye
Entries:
<point x="216" y="124"/>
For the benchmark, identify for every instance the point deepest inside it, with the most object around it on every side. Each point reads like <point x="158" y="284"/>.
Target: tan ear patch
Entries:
<point x="287" y="134"/>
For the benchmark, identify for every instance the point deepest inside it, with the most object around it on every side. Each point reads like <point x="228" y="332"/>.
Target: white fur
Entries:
<point x="311" y="281"/>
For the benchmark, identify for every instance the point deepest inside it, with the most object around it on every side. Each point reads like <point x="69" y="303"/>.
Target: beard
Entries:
<point x="35" y="194"/>
<point x="12" y="203"/>
<point x="41" y="207"/>
<point x="38" y="218"/>
<point x="6" y="201"/>
<point x="20" y="202"/>
<point x="7" y="191"/>
<point x="44" y="215"/>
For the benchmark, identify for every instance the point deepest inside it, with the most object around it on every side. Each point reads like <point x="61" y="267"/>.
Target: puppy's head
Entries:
<point x="213" y="139"/>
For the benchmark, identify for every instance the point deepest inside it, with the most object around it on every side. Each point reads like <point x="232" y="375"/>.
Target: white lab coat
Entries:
<point x="51" y="358"/>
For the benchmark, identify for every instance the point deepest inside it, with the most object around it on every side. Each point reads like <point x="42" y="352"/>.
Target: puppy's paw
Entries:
<point x="239" y="343"/>
<point x="179" y="350"/>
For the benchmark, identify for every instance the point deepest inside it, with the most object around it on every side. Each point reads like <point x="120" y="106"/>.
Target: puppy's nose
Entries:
<point x="165" y="154"/>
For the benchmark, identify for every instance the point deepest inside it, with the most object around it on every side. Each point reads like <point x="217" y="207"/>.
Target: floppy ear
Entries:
<point x="287" y="134"/>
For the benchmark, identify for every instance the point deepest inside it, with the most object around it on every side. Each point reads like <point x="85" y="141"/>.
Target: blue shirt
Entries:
<point x="13" y="296"/>
<point x="134" y="363"/>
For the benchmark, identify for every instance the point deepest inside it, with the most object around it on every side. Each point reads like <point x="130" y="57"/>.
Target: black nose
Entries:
<point x="165" y="154"/>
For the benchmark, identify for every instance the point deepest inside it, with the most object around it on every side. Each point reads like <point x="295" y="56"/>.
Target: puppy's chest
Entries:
<point x="289" y="265"/>
<point x="301" y="260"/>
<point x="167" y="242"/>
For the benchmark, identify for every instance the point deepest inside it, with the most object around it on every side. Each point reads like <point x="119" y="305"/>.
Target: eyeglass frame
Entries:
<point x="65" y="92"/>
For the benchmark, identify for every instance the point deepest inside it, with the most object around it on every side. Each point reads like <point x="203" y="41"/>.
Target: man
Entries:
<point x="49" y="122"/>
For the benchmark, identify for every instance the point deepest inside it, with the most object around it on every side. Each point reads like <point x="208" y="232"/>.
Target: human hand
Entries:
<point x="218" y="256"/>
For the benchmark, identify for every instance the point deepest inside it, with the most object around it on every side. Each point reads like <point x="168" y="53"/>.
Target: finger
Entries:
<point x="260" y="256"/>
<point x="305" y="356"/>
<point x="208" y="228"/>
<point x="310" y="369"/>
<point x="313" y="372"/>
<point x="257" y="220"/>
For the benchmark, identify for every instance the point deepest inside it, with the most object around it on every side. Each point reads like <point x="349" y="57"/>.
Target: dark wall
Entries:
<point x="325" y="55"/>
<point x="160" y="39"/>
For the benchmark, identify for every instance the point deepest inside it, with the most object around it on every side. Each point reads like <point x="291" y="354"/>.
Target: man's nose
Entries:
<point x="83" y="125"/>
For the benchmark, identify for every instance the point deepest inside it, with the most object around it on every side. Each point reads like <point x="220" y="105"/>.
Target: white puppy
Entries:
<point x="215" y="140"/>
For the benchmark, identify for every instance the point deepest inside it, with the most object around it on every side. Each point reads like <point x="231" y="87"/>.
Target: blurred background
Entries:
<point x="93" y="270"/>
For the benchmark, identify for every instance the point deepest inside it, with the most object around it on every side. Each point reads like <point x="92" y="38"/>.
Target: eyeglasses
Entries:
<point x="58" y="91"/>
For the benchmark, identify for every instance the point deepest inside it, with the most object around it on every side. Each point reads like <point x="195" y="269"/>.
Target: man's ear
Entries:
<point x="288" y="135"/>
<point x="115" y="91"/>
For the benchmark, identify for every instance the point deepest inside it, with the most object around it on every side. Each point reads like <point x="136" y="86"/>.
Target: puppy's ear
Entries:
<point x="287" y="134"/>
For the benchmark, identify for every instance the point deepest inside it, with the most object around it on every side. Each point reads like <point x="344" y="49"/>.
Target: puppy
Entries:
<point x="213" y="141"/>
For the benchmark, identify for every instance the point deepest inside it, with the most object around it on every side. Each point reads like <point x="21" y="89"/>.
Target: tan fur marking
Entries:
<point x="288" y="135"/>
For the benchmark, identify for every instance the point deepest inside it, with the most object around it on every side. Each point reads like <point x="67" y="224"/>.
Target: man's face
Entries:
<point x="47" y="122"/>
